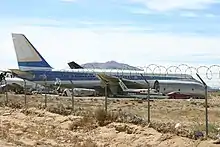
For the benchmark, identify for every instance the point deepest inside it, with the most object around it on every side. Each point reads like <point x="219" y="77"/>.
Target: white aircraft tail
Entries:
<point x="122" y="85"/>
<point x="28" y="57"/>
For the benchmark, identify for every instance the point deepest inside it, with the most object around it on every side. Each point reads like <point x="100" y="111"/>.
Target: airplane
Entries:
<point x="194" y="89"/>
<point x="164" y="87"/>
<point x="14" y="83"/>
<point x="33" y="67"/>
<point x="140" y="93"/>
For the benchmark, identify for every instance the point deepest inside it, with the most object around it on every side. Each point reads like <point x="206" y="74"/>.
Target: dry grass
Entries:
<point x="59" y="109"/>
<point x="86" y="123"/>
<point x="212" y="129"/>
<point x="86" y="143"/>
<point x="103" y="118"/>
<point x="164" y="113"/>
<point x="60" y="127"/>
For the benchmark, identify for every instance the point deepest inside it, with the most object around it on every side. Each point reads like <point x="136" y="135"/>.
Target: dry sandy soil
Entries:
<point x="124" y="125"/>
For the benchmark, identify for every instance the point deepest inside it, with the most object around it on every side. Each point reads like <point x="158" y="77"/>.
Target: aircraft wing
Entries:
<point x="106" y="78"/>
<point x="11" y="86"/>
<point x="22" y="74"/>
<point x="16" y="85"/>
<point x="113" y="80"/>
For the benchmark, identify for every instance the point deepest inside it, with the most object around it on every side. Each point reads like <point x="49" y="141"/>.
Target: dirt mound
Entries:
<point x="34" y="127"/>
<point x="173" y="122"/>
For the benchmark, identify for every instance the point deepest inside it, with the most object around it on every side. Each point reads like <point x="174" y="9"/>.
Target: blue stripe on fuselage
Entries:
<point x="34" y="64"/>
<point x="65" y="76"/>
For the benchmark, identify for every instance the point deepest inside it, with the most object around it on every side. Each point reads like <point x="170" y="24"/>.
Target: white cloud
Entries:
<point x="87" y="45"/>
<point x="141" y="11"/>
<point x="188" y="14"/>
<point x="165" y="5"/>
<point x="101" y="23"/>
<point x="40" y="21"/>
<point x="68" y="0"/>
<point x="210" y="15"/>
<point x="61" y="45"/>
<point x="146" y="12"/>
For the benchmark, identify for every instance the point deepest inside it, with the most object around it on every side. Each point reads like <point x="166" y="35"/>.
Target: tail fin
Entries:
<point x="74" y="65"/>
<point x="27" y="56"/>
<point x="123" y="86"/>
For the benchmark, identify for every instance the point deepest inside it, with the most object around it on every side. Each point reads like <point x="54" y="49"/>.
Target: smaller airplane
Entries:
<point x="140" y="93"/>
<point x="13" y="83"/>
<point x="2" y="85"/>
<point x="79" y="92"/>
<point x="84" y="92"/>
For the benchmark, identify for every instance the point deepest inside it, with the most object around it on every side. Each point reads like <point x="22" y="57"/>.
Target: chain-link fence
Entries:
<point x="189" y="113"/>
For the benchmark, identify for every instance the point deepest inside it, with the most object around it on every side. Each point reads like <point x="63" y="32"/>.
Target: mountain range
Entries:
<point x="109" y="65"/>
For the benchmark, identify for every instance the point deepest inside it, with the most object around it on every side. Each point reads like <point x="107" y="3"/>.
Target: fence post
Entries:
<point x="73" y="102"/>
<point x="148" y="103"/>
<point x="106" y="96"/>
<point x="148" y="98"/>
<point x="45" y="96"/>
<point x="25" y="94"/>
<point x="2" y="78"/>
<point x="206" y="104"/>
<point x="6" y="92"/>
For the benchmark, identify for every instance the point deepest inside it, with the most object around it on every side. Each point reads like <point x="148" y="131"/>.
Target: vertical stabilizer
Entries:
<point x="28" y="57"/>
<point x="123" y="86"/>
<point x="74" y="65"/>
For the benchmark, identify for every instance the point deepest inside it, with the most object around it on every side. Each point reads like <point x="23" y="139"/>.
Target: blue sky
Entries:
<point x="176" y="16"/>
<point x="137" y="32"/>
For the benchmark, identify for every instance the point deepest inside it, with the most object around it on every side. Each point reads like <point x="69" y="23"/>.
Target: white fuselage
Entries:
<point x="10" y="79"/>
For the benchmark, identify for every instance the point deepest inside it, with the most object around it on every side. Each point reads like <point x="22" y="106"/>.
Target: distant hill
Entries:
<point x="109" y="65"/>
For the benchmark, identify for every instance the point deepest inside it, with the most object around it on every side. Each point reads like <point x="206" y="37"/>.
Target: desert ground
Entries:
<point x="173" y="123"/>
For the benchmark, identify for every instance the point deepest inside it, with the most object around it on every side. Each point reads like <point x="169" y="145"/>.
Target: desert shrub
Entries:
<point x="213" y="129"/>
<point x="14" y="104"/>
<point x="100" y="116"/>
<point x="124" y="128"/>
<point x="104" y="118"/>
<point x="86" y="123"/>
<point x="58" y="109"/>
<point x="139" y="101"/>
<point x="125" y="117"/>
<point x="169" y="127"/>
<point x="86" y="143"/>
<point x="2" y="103"/>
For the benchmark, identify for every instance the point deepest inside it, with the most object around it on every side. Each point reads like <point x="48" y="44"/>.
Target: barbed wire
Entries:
<point x="181" y="69"/>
